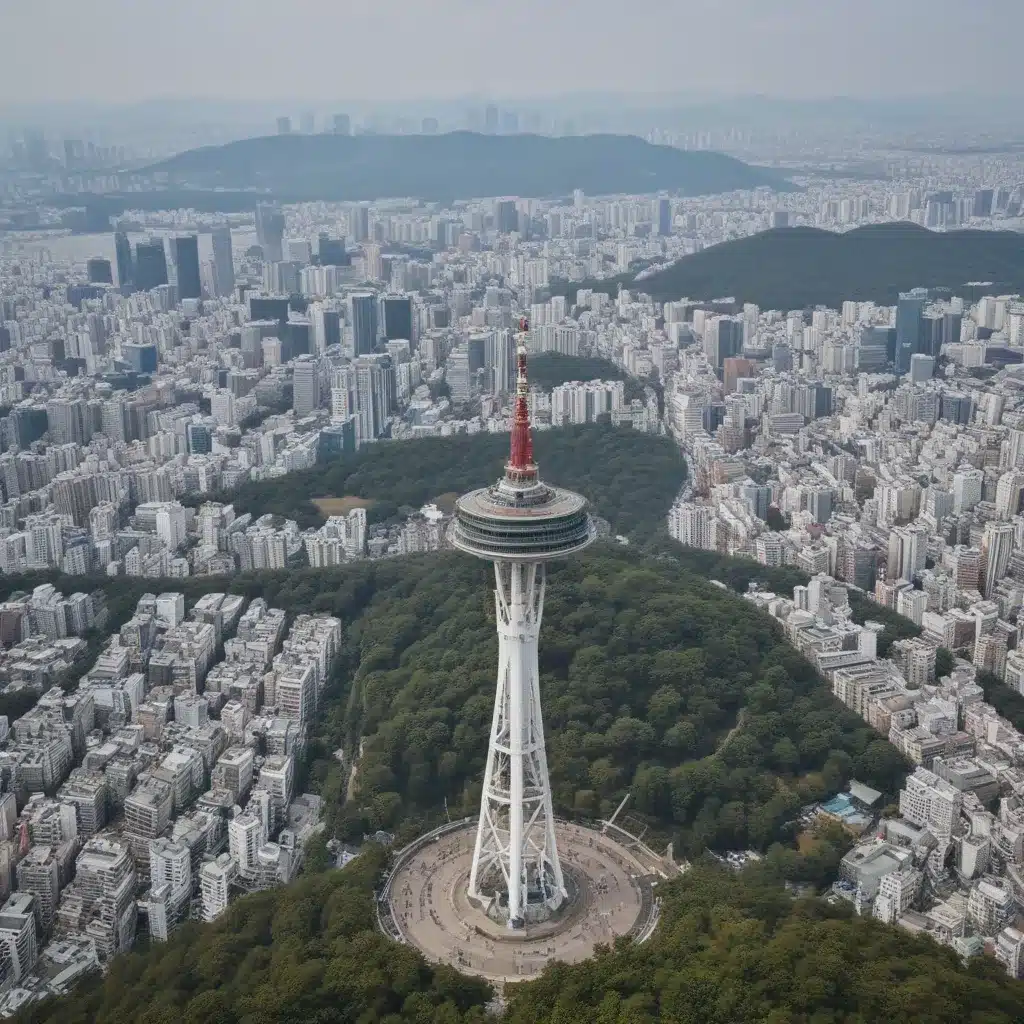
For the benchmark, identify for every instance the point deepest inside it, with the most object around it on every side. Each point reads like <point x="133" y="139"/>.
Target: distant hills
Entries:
<point x="792" y="268"/>
<point x="458" y="165"/>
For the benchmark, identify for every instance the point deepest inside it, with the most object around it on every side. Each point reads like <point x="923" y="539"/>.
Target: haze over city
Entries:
<point x="123" y="51"/>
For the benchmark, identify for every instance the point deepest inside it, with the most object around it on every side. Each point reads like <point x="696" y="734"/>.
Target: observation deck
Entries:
<point x="519" y="518"/>
<point x="511" y="523"/>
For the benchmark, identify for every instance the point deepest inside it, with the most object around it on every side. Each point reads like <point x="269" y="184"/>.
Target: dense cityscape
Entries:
<point x="861" y="463"/>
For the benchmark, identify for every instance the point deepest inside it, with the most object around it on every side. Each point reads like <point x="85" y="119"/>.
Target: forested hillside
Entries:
<point x="729" y="950"/>
<point x="304" y="168"/>
<point x="308" y="953"/>
<point x="630" y="477"/>
<point x="741" y="950"/>
<point x="550" y="369"/>
<point x="654" y="681"/>
<point x="801" y="267"/>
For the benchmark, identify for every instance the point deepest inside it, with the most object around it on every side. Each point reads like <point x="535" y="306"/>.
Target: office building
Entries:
<point x="270" y="234"/>
<point x="996" y="548"/>
<point x="306" y="385"/>
<point x="223" y="260"/>
<point x="18" y="934"/>
<point x="99" y="271"/>
<point x="723" y="337"/>
<point x="363" y="318"/>
<point x="506" y="216"/>
<point x="150" y="265"/>
<point x="332" y="252"/>
<point x="921" y="368"/>
<point x="215" y="878"/>
<point x="185" y="249"/>
<point x="123" y="254"/>
<point x="398" y="317"/>
<point x="909" y="314"/>
<point x="39" y="874"/>
<point x="664" y="216"/>
<point x="359" y="223"/>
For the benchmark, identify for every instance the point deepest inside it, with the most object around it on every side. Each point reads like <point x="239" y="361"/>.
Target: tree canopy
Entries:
<point x="550" y="369"/>
<point x="630" y="477"/>
<point x="801" y="267"/>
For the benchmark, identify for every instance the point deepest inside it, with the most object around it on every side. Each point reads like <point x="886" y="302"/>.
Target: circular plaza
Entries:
<point x="611" y="886"/>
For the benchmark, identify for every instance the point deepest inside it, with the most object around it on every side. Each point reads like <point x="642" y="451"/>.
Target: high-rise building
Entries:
<point x="363" y="318"/>
<point x="909" y="313"/>
<point x="664" y="216"/>
<point x="359" y="223"/>
<point x="306" y="385"/>
<point x="18" y="934"/>
<point x="374" y="395"/>
<point x="506" y="216"/>
<point x="342" y="124"/>
<point x="38" y="874"/>
<point x="723" y="337"/>
<point x="102" y="895"/>
<point x="1009" y="492"/>
<point x="907" y="552"/>
<point x="967" y="489"/>
<point x="186" y="260"/>
<point x="99" y="271"/>
<point x="284" y="126"/>
<point x="921" y="368"/>
<point x="150" y="265"/>
<point x="397" y="317"/>
<point x="215" y="878"/>
<point x="245" y="836"/>
<point x="270" y="232"/>
<point x="223" y="260"/>
<point x="123" y="254"/>
<point x="500" y="360"/>
<point x="198" y="438"/>
<point x="332" y="252"/>
<point x="170" y="869"/>
<point x="996" y="548"/>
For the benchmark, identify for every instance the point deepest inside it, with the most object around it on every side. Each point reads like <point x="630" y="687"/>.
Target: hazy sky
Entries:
<point x="383" y="50"/>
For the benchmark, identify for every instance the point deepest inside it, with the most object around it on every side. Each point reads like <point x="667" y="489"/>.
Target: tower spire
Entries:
<point x="521" y="468"/>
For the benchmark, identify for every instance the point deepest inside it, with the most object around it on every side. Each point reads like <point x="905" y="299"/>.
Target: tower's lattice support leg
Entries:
<point x="515" y="851"/>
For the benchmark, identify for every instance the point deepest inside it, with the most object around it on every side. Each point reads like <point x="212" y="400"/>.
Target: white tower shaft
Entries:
<point x="515" y="839"/>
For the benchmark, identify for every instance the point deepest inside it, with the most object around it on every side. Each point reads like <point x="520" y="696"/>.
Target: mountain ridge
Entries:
<point x="458" y="165"/>
<point x="798" y="267"/>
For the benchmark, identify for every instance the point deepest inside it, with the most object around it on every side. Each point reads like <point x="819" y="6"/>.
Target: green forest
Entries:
<point x="305" y="168"/>
<point x="803" y="267"/>
<point x="630" y="477"/>
<point x="741" y="950"/>
<point x="655" y="682"/>
<point x="730" y="949"/>
<point x="550" y="369"/>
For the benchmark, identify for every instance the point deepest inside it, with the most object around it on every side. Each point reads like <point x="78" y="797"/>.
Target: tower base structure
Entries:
<point x="609" y="878"/>
<point x="516" y="876"/>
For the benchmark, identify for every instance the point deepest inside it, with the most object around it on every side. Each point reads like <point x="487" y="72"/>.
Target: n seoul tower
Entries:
<point x="519" y="524"/>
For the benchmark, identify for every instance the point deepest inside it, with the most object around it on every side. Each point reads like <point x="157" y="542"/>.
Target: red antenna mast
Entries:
<point x="521" y="468"/>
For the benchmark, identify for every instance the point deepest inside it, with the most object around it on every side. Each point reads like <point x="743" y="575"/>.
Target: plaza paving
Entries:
<point x="430" y="908"/>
